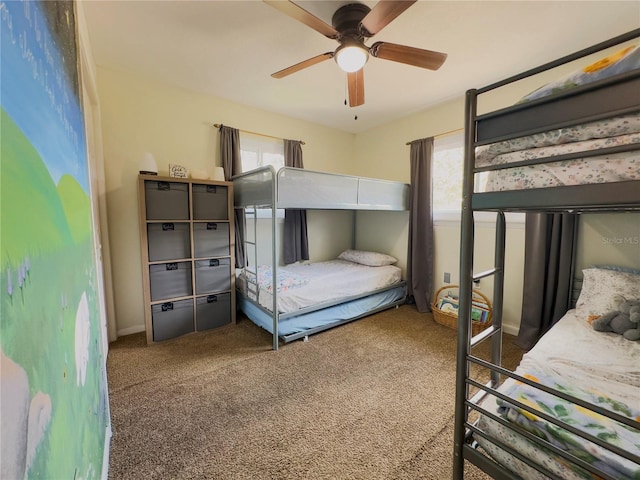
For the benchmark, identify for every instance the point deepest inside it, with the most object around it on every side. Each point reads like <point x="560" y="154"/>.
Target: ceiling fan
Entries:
<point x="351" y="25"/>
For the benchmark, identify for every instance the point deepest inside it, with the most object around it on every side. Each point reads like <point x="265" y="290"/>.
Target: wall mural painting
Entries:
<point x="53" y="390"/>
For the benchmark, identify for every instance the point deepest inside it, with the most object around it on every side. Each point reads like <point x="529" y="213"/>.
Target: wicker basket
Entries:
<point x="451" y="320"/>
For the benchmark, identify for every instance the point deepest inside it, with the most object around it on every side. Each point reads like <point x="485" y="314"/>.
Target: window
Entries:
<point x="257" y="151"/>
<point x="446" y="180"/>
<point x="448" y="156"/>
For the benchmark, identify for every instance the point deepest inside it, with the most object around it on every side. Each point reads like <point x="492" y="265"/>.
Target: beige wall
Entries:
<point x="609" y="239"/>
<point x="382" y="152"/>
<point x="138" y="116"/>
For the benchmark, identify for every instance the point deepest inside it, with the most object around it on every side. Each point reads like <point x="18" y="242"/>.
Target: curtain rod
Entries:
<point x="217" y="125"/>
<point x="450" y="132"/>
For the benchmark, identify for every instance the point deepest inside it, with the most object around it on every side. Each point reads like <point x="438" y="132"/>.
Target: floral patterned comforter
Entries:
<point x="285" y="279"/>
<point x="617" y="131"/>
<point x="601" y="427"/>
<point x="611" y="128"/>
<point x="617" y="167"/>
<point x="601" y="369"/>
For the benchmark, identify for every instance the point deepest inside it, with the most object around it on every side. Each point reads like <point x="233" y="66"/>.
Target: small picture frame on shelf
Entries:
<point x="177" y="171"/>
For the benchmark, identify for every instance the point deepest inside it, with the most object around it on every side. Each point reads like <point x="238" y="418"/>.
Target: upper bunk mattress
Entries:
<point x="308" y="284"/>
<point x="620" y="132"/>
<point x="623" y="131"/>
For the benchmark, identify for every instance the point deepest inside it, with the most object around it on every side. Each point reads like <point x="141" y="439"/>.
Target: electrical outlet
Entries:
<point x="447" y="277"/>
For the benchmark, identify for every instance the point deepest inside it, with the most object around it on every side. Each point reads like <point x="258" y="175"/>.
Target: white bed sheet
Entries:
<point x="577" y="355"/>
<point x="325" y="281"/>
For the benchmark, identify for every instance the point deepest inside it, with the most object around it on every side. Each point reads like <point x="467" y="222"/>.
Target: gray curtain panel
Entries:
<point x="420" y="252"/>
<point x="548" y="256"/>
<point x="295" y="243"/>
<point x="230" y="155"/>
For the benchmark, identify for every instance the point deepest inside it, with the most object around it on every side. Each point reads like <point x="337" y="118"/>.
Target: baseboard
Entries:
<point x="510" y="329"/>
<point x="131" y="330"/>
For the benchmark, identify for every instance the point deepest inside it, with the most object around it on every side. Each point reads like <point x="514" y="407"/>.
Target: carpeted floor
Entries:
<point x="372" y="399"/>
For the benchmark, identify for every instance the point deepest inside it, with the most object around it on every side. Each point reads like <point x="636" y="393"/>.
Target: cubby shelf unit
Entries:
<point x="187" y="247"/>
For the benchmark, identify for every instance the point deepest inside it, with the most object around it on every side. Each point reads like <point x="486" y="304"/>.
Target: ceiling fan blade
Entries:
<point x="304" y="64"/>
<point x="383" y="13"/>
<point x="298" y="13"/>
<point x="355" y="82"/>
<point x="409" y="55"/>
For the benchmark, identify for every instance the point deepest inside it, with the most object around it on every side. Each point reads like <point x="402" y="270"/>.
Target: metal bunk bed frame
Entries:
<point x="264" y="188"/>
<point x="603" y="99"/>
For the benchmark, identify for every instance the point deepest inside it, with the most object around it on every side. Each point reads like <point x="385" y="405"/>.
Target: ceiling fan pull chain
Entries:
<point x="346" y="91"/>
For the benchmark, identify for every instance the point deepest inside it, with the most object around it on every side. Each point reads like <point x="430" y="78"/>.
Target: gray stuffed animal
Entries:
<point x="624" y="321"/>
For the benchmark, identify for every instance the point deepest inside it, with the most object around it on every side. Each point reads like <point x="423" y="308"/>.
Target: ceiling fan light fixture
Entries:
<point x="351" y="57"/>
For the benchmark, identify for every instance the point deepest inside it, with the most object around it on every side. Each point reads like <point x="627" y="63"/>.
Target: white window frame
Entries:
<point x="452" y="216"/>
<point x="265" y="149"/>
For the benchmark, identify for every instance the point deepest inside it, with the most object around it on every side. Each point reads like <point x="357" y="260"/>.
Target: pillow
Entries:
<point x="621" y="61"/>
<point x="371" y="259"/>
<point x="600" y="286"/>
<point x="617" y="268"/>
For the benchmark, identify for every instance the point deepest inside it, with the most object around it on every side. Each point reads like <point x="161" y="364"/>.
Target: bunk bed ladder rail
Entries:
<point x="274" y="258"/>
<point x="465" y="342"/>
<point x="262" y="193"/>
<point x="251" y="268"/>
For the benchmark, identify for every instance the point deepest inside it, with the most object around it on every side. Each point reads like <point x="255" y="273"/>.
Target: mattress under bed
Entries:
<point x="308" y="323"/>
<point x="315" y="296"/>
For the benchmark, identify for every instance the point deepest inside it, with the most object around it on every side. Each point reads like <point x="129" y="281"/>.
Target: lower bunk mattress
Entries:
<point x="600" y="368"/>
<point x="303" y="285"/>
<point x="324" y="293"/>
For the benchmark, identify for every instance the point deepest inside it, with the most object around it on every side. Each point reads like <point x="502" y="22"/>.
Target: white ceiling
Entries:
<point x="228" y="49"/>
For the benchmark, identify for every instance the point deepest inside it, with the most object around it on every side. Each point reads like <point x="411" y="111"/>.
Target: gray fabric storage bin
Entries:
<point x="213" y="275"/>
<point x="213" y="311"/>
<point x="168" y="241"/>
<point x="210" y="202"/>
<point x="170" y="280"/>
<point x="211" y="239"/>
<point x="172" y="319"/>
<point x="166" y="200"/>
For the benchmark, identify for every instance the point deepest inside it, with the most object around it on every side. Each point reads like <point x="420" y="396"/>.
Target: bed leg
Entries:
<point x="305" y="338"/>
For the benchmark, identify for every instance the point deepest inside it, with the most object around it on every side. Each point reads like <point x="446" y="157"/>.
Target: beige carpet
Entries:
<point x="372" y="399"/>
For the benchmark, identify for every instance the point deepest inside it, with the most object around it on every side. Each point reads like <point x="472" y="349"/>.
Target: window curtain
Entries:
<point x="230" y="155"/>
<point x="420" y="251"/>
<point x="295" y="243"/>
<point x="548" y="256"/>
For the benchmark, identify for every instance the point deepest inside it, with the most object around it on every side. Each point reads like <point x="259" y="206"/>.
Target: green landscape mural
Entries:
<point x="54" y="399"/>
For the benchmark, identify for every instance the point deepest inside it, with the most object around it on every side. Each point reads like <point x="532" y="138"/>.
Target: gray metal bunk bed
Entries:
<point x="293" y="188"/>
<point x="607" y="98"/>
